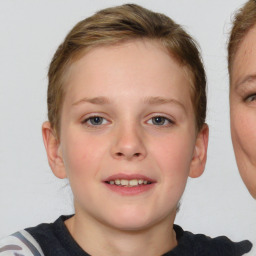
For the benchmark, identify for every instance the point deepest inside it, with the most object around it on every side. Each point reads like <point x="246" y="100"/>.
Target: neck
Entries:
<point x="104" y="240"/>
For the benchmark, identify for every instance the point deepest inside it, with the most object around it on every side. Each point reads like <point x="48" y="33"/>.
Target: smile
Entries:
<point x="129" y="183"/>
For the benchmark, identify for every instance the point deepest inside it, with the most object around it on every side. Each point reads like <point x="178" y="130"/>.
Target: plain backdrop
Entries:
<point x="217" y="203"/>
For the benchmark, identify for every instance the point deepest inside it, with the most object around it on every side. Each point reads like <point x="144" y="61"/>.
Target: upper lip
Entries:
<point x="123" y="176"/>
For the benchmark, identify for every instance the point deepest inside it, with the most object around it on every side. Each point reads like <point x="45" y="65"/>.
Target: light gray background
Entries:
<point x="30" y="31"/>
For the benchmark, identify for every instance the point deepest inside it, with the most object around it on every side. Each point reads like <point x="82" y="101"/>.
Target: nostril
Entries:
<point x="119" y="154"/>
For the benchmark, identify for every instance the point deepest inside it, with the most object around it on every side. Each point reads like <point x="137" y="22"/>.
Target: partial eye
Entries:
<point x="160" y="121"/>
<point x="250" y="98"/>
<point x="95" y="121"/>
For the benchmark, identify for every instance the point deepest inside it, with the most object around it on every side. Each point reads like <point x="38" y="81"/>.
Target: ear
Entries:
<point x="200" y="153"/>
<point x="53" y="150"/>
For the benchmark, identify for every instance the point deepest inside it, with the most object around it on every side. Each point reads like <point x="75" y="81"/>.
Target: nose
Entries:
<point x="128" y="144"/>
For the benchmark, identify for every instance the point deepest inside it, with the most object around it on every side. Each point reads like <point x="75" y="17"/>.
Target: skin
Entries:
<point x="243" y="109"/>
<point x="129" y="86"/>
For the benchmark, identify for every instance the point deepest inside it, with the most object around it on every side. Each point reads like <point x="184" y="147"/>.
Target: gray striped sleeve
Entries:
<point x="20" y="244"/>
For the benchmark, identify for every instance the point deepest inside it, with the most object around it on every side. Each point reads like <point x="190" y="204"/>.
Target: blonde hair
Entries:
<point x="116" y="25"/>
<point x="244" y="20"/>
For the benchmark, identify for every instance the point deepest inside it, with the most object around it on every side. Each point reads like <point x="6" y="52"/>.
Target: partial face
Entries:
<point x="243" y="109"/>
<point x="128" y="139"/>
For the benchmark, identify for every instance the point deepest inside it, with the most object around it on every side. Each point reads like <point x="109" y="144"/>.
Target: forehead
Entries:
<point x="244" y="64"/>
<point x="130" y="63"/>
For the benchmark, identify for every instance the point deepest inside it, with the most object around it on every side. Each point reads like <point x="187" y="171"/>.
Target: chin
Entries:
<point x="131" y="220"/>
<point x="138" y="220"/>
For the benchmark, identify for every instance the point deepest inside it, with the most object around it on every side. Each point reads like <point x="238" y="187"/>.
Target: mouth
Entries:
<point x="129" y="183"/>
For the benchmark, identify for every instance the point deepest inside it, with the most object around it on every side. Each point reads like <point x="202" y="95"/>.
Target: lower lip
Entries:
<point x="130" y="191"/>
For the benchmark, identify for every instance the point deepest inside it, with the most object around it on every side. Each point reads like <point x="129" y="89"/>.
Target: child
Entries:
<point x="126" y="108"/>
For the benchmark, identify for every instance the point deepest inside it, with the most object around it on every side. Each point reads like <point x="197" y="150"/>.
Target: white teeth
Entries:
<point x="133" y="182"/>
<point x="124" y="182"/>
<point x="117" y="182"/>
<point x="129" y="183"/>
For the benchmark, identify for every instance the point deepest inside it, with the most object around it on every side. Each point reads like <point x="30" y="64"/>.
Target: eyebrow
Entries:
<point x="96" y="100"/>
<point x="162" y="100"/>
<point x="248" y="78"/>
<point x="148" y="100"/>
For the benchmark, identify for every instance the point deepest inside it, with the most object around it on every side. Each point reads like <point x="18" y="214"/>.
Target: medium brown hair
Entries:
<point x="116" y="25"/>
<point x="244" y="20"/>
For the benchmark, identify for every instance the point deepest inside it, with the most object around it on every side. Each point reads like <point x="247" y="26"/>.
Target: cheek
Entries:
<point x="82" y="155"/>
<point x="174" y="155"/>
<point x="243" y="123"/>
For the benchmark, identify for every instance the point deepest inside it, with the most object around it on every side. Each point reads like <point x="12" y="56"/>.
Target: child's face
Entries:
<point x="127" y="117"/>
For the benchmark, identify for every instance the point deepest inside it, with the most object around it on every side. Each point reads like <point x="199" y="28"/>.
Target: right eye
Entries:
<point x="95" y="121"/>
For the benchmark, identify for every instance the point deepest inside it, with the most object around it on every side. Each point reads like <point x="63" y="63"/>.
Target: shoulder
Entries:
<point x="49" y="236"/>
<point x="45" y="239"/>
<point x="20" y="243"/>
<point x="201" y="244"/>
<point x="55" y="239"/>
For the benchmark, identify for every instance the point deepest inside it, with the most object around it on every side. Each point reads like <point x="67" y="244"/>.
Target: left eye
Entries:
<point x="251" y="98"/>
<point x="160" y="120"/>
<point x="95" y="120"/>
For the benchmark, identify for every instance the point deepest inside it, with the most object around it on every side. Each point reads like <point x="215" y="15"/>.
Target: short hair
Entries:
<point x="244" y="20"/>
<point x="116" y="25"/>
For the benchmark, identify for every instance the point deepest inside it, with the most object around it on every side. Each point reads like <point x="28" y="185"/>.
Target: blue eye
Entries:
<point x="95" y="121"/>
<point x="160" y="121"/>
